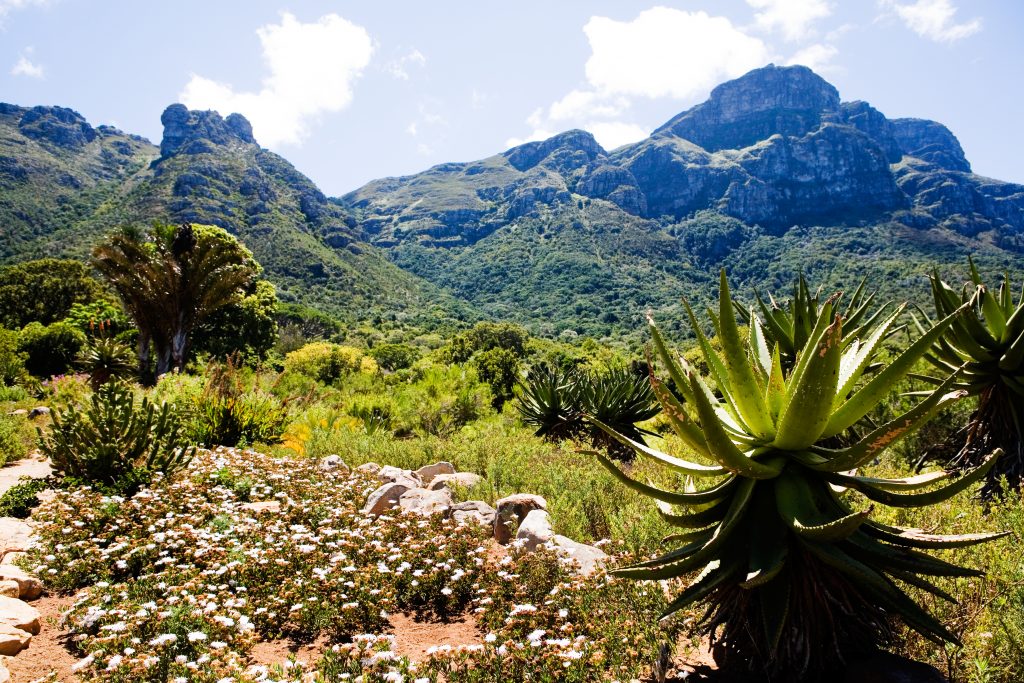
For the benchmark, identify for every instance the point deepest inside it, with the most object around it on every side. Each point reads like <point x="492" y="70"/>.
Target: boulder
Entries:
<point x="12" y="641"/>
<point x="19" y="615"/>
<point x="410" y="479"/>
<point x="384" y="498"/>
<point x="446" y="481"/>
<point x="511" y="511"/>
<point x="475" y="511"/>
<point x="333" y="462"/>
<point x="535" y="529"/>
<point x="427" y="473"/>
<point x="5" y="675"/>
<point x="262" y="506"/>
<point x="426" y="502"/>
<point x="19" y="411"/>
<point x="29" y="587"/>
<point x="9" y="588"/>
<point x="586" y="556"/>
<point x="11" y="557"/>
<point x="368" y="468"/>
<point x="15" y="535"/>
<point x="38" y="411"/>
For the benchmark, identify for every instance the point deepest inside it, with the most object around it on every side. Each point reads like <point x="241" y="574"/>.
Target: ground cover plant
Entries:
<point x="794" y="576"/>
<point x="182" y="579"/>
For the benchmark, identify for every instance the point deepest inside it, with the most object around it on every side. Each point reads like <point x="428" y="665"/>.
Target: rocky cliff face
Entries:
<point x="774" y="148"/>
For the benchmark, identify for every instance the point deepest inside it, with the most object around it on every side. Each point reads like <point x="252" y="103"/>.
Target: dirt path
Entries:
<point x="31" y="466"/>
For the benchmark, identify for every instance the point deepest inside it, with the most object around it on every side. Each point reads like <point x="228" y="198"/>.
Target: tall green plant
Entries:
<point x="115" y="443"/>
<point x="795" y="576"/>
<point x="988" y="342"/>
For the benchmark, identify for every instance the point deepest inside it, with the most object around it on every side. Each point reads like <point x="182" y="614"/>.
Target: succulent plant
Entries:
<point x="556" y="401"/>
<point x="795" y="576"/>
<point x="790" y="324"/>
<point x="988" y="341"/>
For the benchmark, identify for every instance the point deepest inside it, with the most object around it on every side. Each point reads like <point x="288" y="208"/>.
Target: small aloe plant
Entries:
<point x="988" y="341"/>
<point x="795" y="576"/>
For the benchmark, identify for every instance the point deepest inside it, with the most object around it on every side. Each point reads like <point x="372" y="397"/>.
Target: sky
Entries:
<point x="349" y="91"/>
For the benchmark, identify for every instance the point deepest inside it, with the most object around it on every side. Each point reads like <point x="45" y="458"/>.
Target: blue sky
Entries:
<point x="356" y="90"/>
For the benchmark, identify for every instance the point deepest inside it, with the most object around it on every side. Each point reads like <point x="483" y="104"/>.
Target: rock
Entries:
<point x="883" y="667"/>
<point x="12" y="641"/>
<point x="535" y="529"/>
<point x="446" y="481"/>
<point x="19" y="411"/>
<point x="510" y="512"/>
<point x="333" y="462"/>
<point x="11" y="557"/>
<point x="185" y="129"/>
<point x="384" y="498"/>
<point x="586" y="556"/>
<point x="5" y="675"/>
<point x="410" y="479"/>
<point x="15" y="534"/>
<point x="58" y="125"/>
<point x="368" y="468"/>
<point x="473" y="511"/>
<point x="29" y="587"/>
<point x="19" y="615"/>
<point x="426" y="502"/>
<point x="930" y="141"/>
<point x="262" y="506"/>
<point x="38" y="411"/>
<point x="428" y="472"/>
<point x="10" y="589"/>
<point x="786" y="100"/>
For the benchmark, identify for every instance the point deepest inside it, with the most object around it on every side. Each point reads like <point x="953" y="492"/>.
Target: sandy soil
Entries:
<point x="48" y="652"/>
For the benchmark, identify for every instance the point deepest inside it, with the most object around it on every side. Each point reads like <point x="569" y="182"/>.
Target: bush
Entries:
<point x="50" y="349"/>
<point x="395" y="356"/>
<point x="12" y="358"/>
<point x="499" y="369"/>
<point x="13" y="444"/>
<point x="114" y="443"/>
<point x="327" y="362"/>
<point x="19" y="500"/>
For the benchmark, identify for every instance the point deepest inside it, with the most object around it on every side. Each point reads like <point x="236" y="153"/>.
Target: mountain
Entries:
<point x="63" y="184"/>
<point x="773" y="173"/>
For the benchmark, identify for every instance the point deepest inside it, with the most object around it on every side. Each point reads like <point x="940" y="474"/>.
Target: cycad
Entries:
<point x="988" y="341"/>
<point x="794" y="575"/>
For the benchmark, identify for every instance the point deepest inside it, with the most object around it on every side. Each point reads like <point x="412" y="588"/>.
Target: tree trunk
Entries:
<point x="143" y="354"/>
<point x="179" y="348"/>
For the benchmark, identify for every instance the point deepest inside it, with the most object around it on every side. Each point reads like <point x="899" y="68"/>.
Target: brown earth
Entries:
<point x="49" y="651"/>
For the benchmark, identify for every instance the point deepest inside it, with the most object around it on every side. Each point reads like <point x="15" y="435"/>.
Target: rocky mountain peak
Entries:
<point x="786" y="100"/>
<point x="932" y="142"/>
<point x="194" y="131"/>
<point x="59" y="126"/>
<point x="566" y="151"/>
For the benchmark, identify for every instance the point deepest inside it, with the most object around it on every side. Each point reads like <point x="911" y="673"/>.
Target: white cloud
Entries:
<point x="398" y="68"/>
<point x="412" y="129"/>
<point x="817" y="57"/>
<point x="668" y="52"/>
<point x="793" y="18"/>
<point x="312" y="71"/>
<point x="663" y="52"/>
<point x="26" y="67"/>
<point x="934" y="19"/>
<point x="612" y="134"/>
<point x="8" y="6"/>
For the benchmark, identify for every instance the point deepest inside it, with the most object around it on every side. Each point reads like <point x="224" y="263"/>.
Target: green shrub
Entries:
<point x="104" y="358"/>
<point x="114" y="443"/>
<point x="50" y="349"/>
<point x="499" y="369"/>
<point x="12" y="358"/>
<point x="327" y="362"/>
<point x="229" y="414"/>
<point x="19" y="500"/>
<point x="13" y="445"/>
<point x="395" y="356"/>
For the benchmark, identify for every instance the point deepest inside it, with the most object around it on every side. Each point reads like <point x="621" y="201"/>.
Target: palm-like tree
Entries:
<point x="170" y="279"/>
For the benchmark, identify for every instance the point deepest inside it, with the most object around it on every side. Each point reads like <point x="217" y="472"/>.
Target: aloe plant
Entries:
<point x="556" y="401"/>
<point x="988" y="341"/>
<point x="790" y="324"/>
<point x="795" y="576"/>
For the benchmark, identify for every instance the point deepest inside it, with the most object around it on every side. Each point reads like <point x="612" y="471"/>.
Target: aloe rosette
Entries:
<point x="988" y="342"/>
<point x="793" y="573"/>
